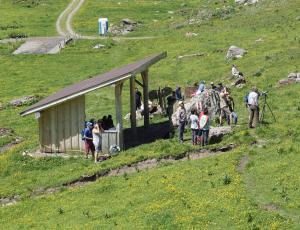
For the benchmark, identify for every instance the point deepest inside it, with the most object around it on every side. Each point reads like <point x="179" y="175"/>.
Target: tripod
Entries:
<point x="265" y="104"/>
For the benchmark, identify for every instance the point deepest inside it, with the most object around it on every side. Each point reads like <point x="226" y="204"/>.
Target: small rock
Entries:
<point x="259" y="40"/>
<point x="235" y="52"/>
<point x="293" y="75"/>
<point x="216" y="133"/>
<point x="26" y="100"/>
<point x="5" y="131"/>
<point x="170" y="12"/>
<point x="128" y="21"/>
<point x="246" y="2"/>
<point x="98" y="46"/>
<point x="240" y="86"/>
<point x="190" y="34"/>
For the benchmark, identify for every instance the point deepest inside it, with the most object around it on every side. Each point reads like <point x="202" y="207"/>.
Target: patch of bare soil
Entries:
<point x="271" y="207"/>
<point x="243" y="163"/>
<point x="127" y="169"/>
<point x="6" y="147"/>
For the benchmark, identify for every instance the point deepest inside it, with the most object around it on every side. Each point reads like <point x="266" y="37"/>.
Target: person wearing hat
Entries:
<point x="253" y="107"/>
<point x="88" y="140"/>
<point x="181" y="120"/>
<point x="212" y="85"/>
<point x="220" y="87"/>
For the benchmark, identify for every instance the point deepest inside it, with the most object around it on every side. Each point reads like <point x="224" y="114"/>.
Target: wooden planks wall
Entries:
<point x="61" y="125"/>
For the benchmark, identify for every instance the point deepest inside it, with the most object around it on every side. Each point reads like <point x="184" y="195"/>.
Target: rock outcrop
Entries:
<point x="216" y="133"/>
<point x="209" y="99"/>
<point x="291" y="79"/>
<point x="26" y="100"/>
<point x="248" y="2"/>
<point x="235" y="52"/>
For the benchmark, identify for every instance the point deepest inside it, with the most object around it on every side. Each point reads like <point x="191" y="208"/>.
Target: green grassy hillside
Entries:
<point x="28" y="18"/>
<point x="191" y="194"/>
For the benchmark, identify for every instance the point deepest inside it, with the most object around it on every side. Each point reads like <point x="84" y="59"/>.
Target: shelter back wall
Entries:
<point x="60" y="126"/>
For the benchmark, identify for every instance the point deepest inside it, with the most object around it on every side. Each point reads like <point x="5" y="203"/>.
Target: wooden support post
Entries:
<point x="132" y="105"/>
<point x="118" y="102"/>
<point x="146" y="97"/>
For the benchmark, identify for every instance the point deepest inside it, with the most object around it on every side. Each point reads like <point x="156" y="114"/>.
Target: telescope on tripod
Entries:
<point x="264" y="94"/>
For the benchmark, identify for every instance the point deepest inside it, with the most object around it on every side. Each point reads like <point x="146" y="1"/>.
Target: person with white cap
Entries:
<point x="181" y="120"/>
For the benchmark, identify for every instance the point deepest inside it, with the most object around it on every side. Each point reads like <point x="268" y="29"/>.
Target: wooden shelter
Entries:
<point x="61" y="116"/>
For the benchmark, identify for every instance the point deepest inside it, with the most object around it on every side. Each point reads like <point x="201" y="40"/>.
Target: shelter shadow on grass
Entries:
<point x="143" y="136"/>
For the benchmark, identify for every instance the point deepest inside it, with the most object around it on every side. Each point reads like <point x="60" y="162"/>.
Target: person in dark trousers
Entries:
<point x="88" y="140"/>
<point x="194" y="126"/>
<point x="204" y="126"/>
<point x="253" y="108"/>
<point x="170" y="101"/>
<point x="181" y="120"/>
<point x="138" y="98"/>
<point x="178" y="95"/>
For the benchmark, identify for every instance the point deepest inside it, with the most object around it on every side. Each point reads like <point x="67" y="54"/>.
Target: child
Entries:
<point x="204" y="124"/>
<point x="194" y="126"/>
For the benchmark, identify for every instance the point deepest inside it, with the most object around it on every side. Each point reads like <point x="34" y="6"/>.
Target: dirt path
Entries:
<point x="127" y="169"/>
<point x="61" y="20"/>
<point x="249" y="183"/>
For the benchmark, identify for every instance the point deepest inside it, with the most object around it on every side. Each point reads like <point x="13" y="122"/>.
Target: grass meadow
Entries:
<point x="207" y="193"/>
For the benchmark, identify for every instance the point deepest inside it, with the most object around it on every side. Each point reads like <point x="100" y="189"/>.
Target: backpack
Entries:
<point x="246" y="99"/>
<point x="82" y="135"/>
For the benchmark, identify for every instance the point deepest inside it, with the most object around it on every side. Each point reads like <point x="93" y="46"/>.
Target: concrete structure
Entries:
<point x="51" y="45"/>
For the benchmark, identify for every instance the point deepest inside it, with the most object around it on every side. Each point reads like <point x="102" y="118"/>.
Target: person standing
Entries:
<point x="178" y="95"/>
<point x="234" y="71"/>
<point x="201" y="87"/>
<point x="225" y="112"/>
<point x="233" y="118"/>
<point x="194" y="126"/>
<point x="181" y="120"/>
<point x="138" y="98"/>
<point x="88" y="140"/>
<point x="97" y="139"/>
<point x="253" y="107"/>
<point x="204" y="126"/>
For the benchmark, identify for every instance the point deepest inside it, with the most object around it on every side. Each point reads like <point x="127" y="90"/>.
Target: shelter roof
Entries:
<point x="94" y="83"/>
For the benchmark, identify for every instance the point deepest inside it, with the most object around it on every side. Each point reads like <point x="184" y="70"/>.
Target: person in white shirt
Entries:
<point x="194" y="126"/>
<point x="253" y="108"/>
<point x="235" y="72"/>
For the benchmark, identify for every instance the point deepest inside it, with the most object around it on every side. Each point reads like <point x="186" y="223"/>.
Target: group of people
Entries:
<point x="92" y="136"/>
<point x="200" y="124"/>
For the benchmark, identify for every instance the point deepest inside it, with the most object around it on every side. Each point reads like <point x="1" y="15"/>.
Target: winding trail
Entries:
<point x="64" y="25"/>
<point x="65" y="29"/>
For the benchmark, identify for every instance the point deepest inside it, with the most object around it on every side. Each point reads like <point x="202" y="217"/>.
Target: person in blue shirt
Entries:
<point x="88" y="140"/>
<point x="178" y="95"/>
<point x="201" y="86"/>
